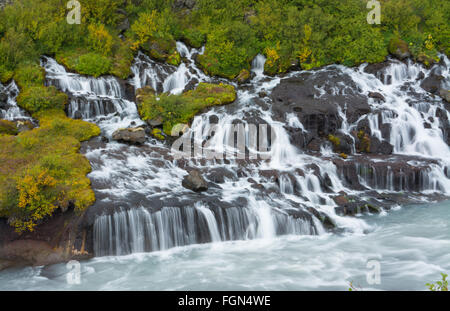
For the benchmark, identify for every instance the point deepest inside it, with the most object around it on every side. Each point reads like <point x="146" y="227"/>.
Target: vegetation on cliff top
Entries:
<point x="181" y="109"/>
<point x="306" y="33"/>
<point x="42" y="169"/>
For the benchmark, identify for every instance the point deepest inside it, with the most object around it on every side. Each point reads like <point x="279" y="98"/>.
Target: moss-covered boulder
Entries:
<point x="399" y="48"/>
<point x="244" y="76"/>
<point x="38" y="98"/>
<point x="157" y="133"/>
<point x="427" y="60"/>
<point x="42" y="170"/>
<point x="163" y="50"/>
<point x="170" y="110"/>
<point x="8" y="128"/>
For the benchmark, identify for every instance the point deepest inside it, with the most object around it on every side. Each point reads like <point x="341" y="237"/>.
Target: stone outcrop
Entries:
<point x="195" y="182"/>
<point x="134" y="135"/>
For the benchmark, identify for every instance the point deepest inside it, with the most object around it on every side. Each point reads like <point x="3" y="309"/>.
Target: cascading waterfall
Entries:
<point x="8" y="106"/>
<point x="282" y="190"/>
<point x="138" y="230"/>
<point x="101" y="100"/>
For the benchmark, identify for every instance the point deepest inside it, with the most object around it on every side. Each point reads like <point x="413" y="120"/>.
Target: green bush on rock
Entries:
<point x="181" y="109"/>
<point x="42" y="170"/>
<point x="37" y="98"/>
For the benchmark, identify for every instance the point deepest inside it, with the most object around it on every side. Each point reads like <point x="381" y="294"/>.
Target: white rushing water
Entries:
<point x="282" y="190"/>
<point x="8" y="105"/>
<point x="410" y="254"/>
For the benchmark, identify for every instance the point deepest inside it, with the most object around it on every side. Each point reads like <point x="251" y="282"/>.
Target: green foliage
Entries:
<point x="93" y="64"/>
<point x="42" y="170"/>
<point x="37" y="98"/>
<point x="440" y="285"/>
<point x="8" y="128"/>
<point x="180" y="109"/>
<point x="290" y="32"/>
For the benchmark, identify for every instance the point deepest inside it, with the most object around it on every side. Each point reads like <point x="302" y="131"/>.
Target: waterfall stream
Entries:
<point x="285" y="190"/>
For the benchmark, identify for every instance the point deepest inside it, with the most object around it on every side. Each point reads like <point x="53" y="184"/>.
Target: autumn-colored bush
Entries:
<point x="37" y="98"/>
<point x="42" y="170"/>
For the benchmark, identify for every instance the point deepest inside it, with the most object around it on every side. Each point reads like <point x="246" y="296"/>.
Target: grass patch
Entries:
<point x="42" y="170"/>
<point x="181" y="109"/>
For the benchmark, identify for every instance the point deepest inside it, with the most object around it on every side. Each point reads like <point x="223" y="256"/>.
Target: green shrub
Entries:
<point x="93" y="64"/>
<point x="440" y="285"/>
<point x="38" y="98"/>
<point x="181" y="109"/>
<point x="28" y="75"/>
<point x="42" y="170"/>
<point x="8" y="128"/>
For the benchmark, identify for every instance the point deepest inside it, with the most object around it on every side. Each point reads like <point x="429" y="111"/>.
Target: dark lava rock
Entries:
<point x="316" y="98"/>
<point x="77" y="115"/>
<point x="130" y="135"/>
<point x="445" y="94"/>
<point x="378" y="69"/>
<point x="195" y="182"/>
<point x="380" y="147"/>
<point x="218" y="175"/>
<point x="184" y="4"/>
<point x="377" y="95"/>
<point x="432" y="83"/>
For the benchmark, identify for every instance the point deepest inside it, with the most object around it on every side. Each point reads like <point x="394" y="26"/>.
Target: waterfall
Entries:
<point x="278" y="187"/>
<point x="8" y="105"/>
<point x="137" y="230"/>
<point x="258" y="65"/>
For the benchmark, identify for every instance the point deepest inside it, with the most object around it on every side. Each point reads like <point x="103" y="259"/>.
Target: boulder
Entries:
<point x="432" y="83"/>
<point x="376" y="95"/>
<point x="445" y="94"/>
<point x="399" y="48"/>
<point x="184" y="4"/>
<point x="24" y="126"/>
<point x="244" y="76"/>
<point x="316" y="98"/>
<point x="130" y="135"/>
<point x="380" y="147"/>
<point x="195" y="182"/>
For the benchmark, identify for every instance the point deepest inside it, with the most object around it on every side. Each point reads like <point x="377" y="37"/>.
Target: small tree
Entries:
<point x="440" y="286"/>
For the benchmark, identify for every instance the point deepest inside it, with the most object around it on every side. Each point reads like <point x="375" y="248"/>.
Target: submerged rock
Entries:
<point x="195" y="182"/>
<point x="130" y="135"/>
<point x="377" y="96"/>
<point x="445" y="94"/>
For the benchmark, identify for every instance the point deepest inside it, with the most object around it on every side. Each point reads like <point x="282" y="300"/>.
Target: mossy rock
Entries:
<point x="50" y="154"/>
<point x="334" y="140"/>
<point x="8" y="128"/>
<point x="38" y="98"/>
<point x="244" y="76"/>
<point x="29" y="75"/>
<point x="86" y="63"/>
<point x="157" y="133"/>
<point x="163" y="50"/>
<point x="171" y="110"/>
<point x="194" y="38"/>
<point x="399" y="48"/>
<point x="427" y="60"/>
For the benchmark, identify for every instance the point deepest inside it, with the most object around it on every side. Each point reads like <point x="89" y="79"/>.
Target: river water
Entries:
<point x="262" y="226"/>
<point x="412" y="246"/>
